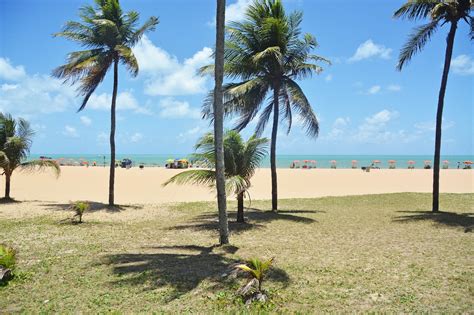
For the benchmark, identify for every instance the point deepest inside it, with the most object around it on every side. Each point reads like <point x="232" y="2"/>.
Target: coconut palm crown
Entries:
<point x="241" y="159"/>
<point x="268" y="54"/>
<point x="439" y="13"/>
<point x="108" y="35"/>
<point x="15" y="142"/>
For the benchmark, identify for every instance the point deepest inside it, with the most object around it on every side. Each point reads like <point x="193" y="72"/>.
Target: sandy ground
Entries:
<point x="137" y="186"/>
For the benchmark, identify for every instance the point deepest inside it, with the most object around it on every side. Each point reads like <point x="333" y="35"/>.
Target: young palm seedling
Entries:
<point x="256" y="270"/>
<point x="79" y="208"/>
<point x="7" y="262"/>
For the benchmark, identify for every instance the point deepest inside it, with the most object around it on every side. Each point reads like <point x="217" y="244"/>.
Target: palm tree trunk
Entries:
<point x="7" y="185"/>
<point x="240" y="207"/>
<point x="439" y="114"/>
<point x="219" y="124"/>
<point x="112" y="136"/>
<point x="276" y="95"/>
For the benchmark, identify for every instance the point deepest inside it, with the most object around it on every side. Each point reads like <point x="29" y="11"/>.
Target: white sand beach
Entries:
<point x="145" y="186"/>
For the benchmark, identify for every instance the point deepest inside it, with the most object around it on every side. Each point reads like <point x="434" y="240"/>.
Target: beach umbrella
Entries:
<point x="313" y="161"/>
<point x="376" y="161"/>
<point x="467" y="162"/>
<point x="427" y="162"/>
<point x="446" y="162"/>
<point x="411" y="162"/>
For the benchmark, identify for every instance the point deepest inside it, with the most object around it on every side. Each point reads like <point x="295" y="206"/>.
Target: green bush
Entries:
<point x="7" y="257"/>
<point x="79" y="207"/>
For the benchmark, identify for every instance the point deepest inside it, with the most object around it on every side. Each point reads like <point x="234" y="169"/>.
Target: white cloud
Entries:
<point x="9" y="87"/>
<point x="394" y="87"/>
<point x="328" y="78"/>
<point x="369" y="49"/>
<point x="165" y="75"/>
<point x="190" y="134"/>
<point x="10" y="72"/>
<point x="374" y="89"/>
<point x="373" y="129"/>
<point x="338" y="127"/>
<point x="171" y="108"/>
<point x="136" y="137"/>
<point x="463" y="64"/>
<point x="236" y="11"/>
<point x="125" y="101"/>
<point x="430" y="126"/>
<point x="70" y="132"/>
<point x="86" y="120"/>
<point x="33" y="94"/>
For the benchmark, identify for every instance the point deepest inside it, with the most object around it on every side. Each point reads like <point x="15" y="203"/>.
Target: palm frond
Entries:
<point x="416" y="42"/>
<point x="128" y="59"/>
<point x="194" y="177"/>
<point x="40" y="165"/>
<point x="300" y="103"/>
<point x="416" y="9"/>
<point x="149" y="25"/>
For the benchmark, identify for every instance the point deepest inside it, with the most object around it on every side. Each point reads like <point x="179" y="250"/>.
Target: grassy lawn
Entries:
<point x="382" y="253"/>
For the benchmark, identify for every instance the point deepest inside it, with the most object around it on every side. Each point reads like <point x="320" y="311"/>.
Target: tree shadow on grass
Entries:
<point x="451" y="219"/>
<point x="94" y="207"/>
<point x="8" y="201"/>
<point x="183" y="268"/>
<point x="254" y="219"/>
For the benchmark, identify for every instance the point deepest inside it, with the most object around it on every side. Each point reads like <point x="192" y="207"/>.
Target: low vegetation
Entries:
<point x="380" y="253"/>
<point x="7" y="262"/>
<point x="79" y="208"/>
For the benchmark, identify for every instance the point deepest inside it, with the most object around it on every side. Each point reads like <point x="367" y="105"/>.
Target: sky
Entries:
<point x="364" y="105"/>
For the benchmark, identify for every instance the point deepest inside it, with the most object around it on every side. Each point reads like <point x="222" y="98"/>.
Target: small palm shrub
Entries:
<point x="79" y="207"/>
<point x="7" y="256"/>
<point x="256" y="271"/>
<point x="7" y="262"/>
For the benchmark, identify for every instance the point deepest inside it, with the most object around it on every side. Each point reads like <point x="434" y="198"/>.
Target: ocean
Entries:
<point x="283" y="161"/>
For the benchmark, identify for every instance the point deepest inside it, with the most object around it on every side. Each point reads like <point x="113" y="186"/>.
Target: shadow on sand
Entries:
<point x="182" y="268"/>
<point x="94" y="207"/>
<point x="451" y="219"/>
<point x="254" y="219"/>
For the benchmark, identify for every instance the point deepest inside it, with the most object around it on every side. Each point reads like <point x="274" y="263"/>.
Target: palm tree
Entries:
<point x="241" y="160"/>
<point x="267" y="53"/>
<point x="109" y="35"/>
<point x="15" y="142"/>
<point x="439" y="12"/>
<point x="219" y="124"/>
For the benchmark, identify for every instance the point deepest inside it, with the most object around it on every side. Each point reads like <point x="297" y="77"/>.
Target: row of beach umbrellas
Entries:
<point x="313" y="163"/>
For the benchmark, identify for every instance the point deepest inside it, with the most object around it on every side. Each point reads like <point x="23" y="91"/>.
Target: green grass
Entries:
<point x="379" y="253"/>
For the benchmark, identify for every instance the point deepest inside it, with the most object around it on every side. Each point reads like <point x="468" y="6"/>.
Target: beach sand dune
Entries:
<point x="145" y="186"/>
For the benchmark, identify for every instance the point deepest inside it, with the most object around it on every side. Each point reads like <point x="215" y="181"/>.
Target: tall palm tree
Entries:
<point x="15" y="142"/>
<point x="109" y="35"/>
<point x="439" y="12"/>
<point x="219" y="123"/>
<point x="241" y="160"/>
<point x="268" y="54"/>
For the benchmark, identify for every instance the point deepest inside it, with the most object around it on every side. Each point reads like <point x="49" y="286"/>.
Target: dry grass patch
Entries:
<point x="381" y="253"/>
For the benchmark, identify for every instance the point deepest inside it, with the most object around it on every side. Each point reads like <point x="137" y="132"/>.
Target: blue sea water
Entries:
<point x="283" y="161"/>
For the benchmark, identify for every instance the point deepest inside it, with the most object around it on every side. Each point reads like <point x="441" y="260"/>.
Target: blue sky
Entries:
<point x="364" y="105"/>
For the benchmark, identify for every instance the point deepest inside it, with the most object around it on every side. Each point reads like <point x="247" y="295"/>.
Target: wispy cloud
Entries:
<point x="463" y="65"/>
<point x="70" y="131"/>
<point x="165" y="75"/>
<point x="171" y="108"/>
<point x="368" y="50"/>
